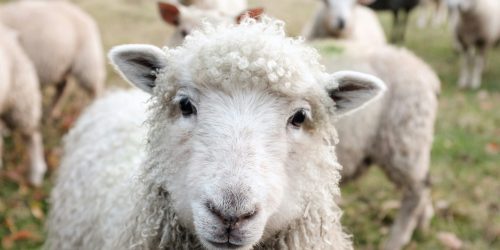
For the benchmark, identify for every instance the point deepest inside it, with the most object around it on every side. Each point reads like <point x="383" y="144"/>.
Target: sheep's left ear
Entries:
<point x="352" y="90"/>
<point x="138" y="64"/>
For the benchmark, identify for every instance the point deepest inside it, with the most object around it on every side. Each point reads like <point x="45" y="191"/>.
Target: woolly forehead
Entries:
<point x="251" y="55"/>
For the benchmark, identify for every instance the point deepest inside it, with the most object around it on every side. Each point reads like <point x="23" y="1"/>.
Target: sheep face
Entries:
<point x="232" y="142"/>
<point x="338" y="15"/>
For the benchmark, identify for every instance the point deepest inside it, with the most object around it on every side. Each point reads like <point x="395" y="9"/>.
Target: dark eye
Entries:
<point x="186" y="107"/>
<point x="184" y="33"/>
<point x="298" y="118"/>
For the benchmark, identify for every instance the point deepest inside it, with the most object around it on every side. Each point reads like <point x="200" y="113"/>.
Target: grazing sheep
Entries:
<point x="20" y="101"/>
<point x="227" y="7"/>
<point x="346" y="20"/>
<point x="239" y="150"/>
<point x="477" y="30"/>
<point x="395" y="132"/>
<point x="187" y="19"/>
<point x="400" y="10"/>
<point x="61" y="40"/>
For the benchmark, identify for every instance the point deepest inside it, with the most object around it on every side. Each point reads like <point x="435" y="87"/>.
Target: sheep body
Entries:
<point x="477" y="30"/>
<point x="144" y="195"/>
<point x="20" y="100"/>
<point x="107" y="143"/>
<point x="395" y="132"/>
<point x="61" y="40"/>
<point x="361" y="25"/>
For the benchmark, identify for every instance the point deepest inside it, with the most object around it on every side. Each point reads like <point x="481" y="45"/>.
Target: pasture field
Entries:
<point x="465" y="158"/>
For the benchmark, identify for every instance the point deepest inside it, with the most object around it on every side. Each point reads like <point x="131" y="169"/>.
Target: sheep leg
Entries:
<point x="467" y="64"/>
<point x="477" y="70"/>
<point x="416" y="209"/>
<point x="403" y="26"/>
<point x="57" y="100"/>
<point x="38" y="166"/>
<point x="395" y="26"/>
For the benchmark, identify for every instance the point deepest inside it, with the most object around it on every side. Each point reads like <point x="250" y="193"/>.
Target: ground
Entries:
<point x="465" y="158"/>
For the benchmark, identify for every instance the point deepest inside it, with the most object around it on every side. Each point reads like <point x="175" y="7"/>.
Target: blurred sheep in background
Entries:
<point x="476" y="30"/>
<point x="21" y="101"/>
<point x="345" y="19"/>
<point x="62" y="41"/>
<point x="400" y="10"/>
<point x="186" y="19"/>
<point x="395" y="133"/>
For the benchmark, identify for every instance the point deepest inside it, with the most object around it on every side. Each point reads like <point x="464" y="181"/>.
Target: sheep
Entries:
<point x="395" y="132"/>
<point x="346" y="20"/>
<point x="396" y="7"/>
<point x="227" y="7"/>
<point x="237" y="150"/>
<point x="20" y="101"/>
<point x="477" y="29"/>
<point x="62" y="41"/>
<point x="186" y="19"/>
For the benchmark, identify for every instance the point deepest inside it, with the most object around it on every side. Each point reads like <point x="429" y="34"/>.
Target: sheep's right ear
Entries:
<point x="352" y="90"/>
<point x="138" y="64"/>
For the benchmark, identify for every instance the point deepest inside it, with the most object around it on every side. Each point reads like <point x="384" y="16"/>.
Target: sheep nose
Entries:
<point x="341" y="23"/>
<point x="231" y="220"/>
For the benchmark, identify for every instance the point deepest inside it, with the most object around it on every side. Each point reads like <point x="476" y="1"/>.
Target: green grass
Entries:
<point x="465" y="158"/>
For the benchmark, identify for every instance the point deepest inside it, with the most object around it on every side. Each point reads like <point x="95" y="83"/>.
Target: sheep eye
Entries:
<point x="298" y="118"/>
<point x="186" y="107"/>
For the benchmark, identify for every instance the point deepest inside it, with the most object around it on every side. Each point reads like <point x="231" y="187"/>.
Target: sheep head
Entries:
<point x="241" y="131"/>
<point x="186" y="19"/>
<point x="338" y="15"/>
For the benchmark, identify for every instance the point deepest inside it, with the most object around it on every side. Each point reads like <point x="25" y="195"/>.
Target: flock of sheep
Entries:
<point x="237" y="136"/>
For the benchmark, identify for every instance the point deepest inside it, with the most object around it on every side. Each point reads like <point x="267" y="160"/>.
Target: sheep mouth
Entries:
<point x="224" y="245"/>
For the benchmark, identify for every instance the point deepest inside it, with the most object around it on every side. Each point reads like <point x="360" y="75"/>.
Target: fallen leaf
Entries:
<point x="9" y="222"/>
<point x="24" y="235"/>
<point x="450" y="240"/>
<point x="492" y="148"/>
<point x="36" y="211"/>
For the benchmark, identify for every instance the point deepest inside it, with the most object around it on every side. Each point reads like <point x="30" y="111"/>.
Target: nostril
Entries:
<point x="211" y="207"/>
<point x="341" y="23"/>
<point x="230" y="219"/>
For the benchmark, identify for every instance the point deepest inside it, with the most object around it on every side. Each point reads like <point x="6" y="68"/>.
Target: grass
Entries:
<point x="465" y="157"/>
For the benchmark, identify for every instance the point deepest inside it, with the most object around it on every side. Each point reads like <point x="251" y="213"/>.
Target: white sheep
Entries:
<point x="61" y="40"/>
<point x="477" y="29"/>
<point x="237" y="151"/>
<point x="20" y="101"/>
<point x="186" y="19"/>
<point x="345" y="19"/>
<point x="227" y="7"/>
<point x="395" y="132"/>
